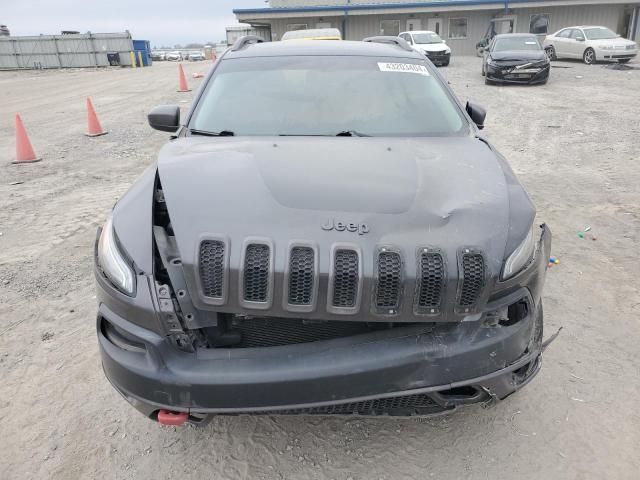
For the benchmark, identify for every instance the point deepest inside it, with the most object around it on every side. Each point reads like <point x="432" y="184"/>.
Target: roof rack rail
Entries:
<point x="244" y="41"/>
<point x="390" y="40"/>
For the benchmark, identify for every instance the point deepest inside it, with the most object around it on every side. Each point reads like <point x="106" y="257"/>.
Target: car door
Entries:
<point x="576" y="43"/>
<point x="560" y="41"/>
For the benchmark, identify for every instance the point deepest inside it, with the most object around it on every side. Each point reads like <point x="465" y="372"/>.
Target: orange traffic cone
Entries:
<point x="24" y="150"/>
<point x="94" y="127"/>
<point x="183" y="80"/>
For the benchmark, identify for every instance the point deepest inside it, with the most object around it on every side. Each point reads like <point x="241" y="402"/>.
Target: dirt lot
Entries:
<point x="575" y="143"/>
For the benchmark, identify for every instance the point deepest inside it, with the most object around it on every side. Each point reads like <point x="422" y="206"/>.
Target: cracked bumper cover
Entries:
<point x="495" y="74"/>
<point x="419" y="358"/>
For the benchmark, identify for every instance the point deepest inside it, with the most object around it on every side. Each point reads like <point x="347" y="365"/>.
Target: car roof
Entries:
<point x="419" y="31"/>
<point x="586" y="26"/>
<point x="323" y="48"/>
<point x="516" y="35"/>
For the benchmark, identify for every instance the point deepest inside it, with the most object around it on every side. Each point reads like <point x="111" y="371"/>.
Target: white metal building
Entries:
<point x="64" y="51"/>
<point x="462" y="23"/>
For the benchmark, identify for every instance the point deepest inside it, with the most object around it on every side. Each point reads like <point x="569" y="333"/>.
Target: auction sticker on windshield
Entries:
<point x="403" y="68"/>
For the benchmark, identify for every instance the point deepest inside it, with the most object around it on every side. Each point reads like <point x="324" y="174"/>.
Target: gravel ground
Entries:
<point x="575" y="145"/>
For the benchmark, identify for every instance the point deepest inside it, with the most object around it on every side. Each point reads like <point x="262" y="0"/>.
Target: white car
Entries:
<point x="174" y="56"/>
<point x="591" y="44"/>
<point x="430" y="44"/>
<point x="196" y="56"/>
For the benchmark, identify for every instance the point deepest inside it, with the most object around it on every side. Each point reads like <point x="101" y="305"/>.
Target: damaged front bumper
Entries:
<point x="418" y="369"/>
<point x="529" y="76"/>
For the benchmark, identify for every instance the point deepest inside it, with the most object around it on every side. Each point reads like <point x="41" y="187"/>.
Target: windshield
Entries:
<point x="326" y="95"/>
<point x="424" y="38"/>
<point x="599" y="33"/>
<point x="516" y="43"/>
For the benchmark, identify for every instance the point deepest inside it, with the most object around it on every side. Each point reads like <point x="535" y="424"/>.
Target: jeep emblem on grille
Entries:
<point x="331" y="224"/>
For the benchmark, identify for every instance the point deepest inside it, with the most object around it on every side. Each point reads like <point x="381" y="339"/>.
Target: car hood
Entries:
<point x="447" y="193"/>
<point x="515" y="56"/>
<point x="433" y="47"/>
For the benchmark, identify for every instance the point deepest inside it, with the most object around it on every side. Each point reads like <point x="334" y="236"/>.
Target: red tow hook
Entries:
<point x="167" y="417"/>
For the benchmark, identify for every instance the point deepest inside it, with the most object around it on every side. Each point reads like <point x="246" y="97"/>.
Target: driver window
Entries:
<point x="565" y="33"/>
<point x="577" y="34"/>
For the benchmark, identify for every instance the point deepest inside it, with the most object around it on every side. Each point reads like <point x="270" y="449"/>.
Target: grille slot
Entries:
<point x="389" y="285"/>
<point x="473" y="279"/>
<point x="430" y="286"/>
<point x="212" y="267"/>
<point x="301" y="276"/>
<point x="346" y="280"/>
<point x="257" y="267"/>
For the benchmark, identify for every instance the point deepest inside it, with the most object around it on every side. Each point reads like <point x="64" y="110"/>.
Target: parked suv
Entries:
<point x="430" y="44"/>
<point x="306" y="244"/>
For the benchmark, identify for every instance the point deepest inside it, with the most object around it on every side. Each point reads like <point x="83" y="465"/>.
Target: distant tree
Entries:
<point x="177" y="45"/>
<point x="194" y="45"/>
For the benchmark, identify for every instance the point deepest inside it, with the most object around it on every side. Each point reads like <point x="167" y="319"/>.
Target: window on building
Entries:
<point x="390" y="28"/>
<point x="539" y="23"/>
<point x="457" y="28"/>
<point x="296" y="26"/>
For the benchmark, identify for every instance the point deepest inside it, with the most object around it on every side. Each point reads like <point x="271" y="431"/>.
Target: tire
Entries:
<point x="551" y="53"/>
<point x="446" y="64"/>
<point x="589" y="56"/>
<point x="487" y="81"/>
<point x="624" y="60"/>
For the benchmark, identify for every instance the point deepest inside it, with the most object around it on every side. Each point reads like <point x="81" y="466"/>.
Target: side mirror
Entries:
<point x="580" y="39"/>
<point x="477" y="114"/>
<point x="165" y="118"/>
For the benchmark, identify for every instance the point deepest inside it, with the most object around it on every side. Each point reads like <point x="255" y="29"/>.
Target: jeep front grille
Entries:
<point x="257" y="269"/>
<point x="212" y="266"/>
<point x="301" y="276"/>
<point x="389" y="284"/>
<point x="430" y="283"/>
<point x="346" y="279"/>
<point x="472" y="279"/>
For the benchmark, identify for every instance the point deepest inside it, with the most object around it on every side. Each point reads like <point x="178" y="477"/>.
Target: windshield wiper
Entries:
<point x="351" y="133"/>
<point x="222" y="133"/>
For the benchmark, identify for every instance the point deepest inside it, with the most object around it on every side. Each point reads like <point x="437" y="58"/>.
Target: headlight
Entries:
<point x="491" y="62"/>
<point x="521" y="256"/>
<point x="113" y="264"/>
<point x="606" y="47"/>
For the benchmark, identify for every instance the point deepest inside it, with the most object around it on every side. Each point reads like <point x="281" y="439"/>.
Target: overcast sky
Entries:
<point x="163" y="22"/>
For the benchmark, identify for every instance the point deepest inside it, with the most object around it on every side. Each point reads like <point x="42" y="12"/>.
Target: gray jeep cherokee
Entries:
<point x="326" y="233"/>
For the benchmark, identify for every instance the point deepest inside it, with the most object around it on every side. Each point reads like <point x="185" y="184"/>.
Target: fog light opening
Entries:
<point x="515" y="313"/>
<point x="460" y="392"/>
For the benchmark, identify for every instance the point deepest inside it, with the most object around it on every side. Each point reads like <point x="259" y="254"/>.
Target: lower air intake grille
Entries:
<point x="418" y="404"/>
<point x="430" y="282"/>
<point x="301" y="276"/>
<point x="345" y="285"/>
<point x="273" y="332"/>
<point x="389" y="284"/>
<point x="256" y="272"/>
<point x="473" y="275"/>
<point x="211" y="267"/>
